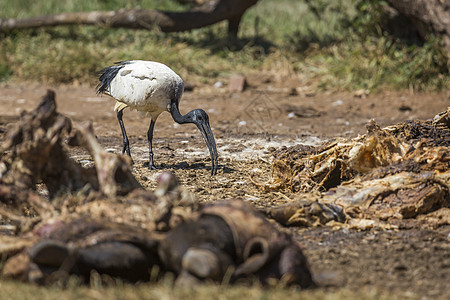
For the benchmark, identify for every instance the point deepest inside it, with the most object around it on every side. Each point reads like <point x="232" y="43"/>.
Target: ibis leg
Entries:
<point x="126" y="143"/>
<point x="151" y="164"/>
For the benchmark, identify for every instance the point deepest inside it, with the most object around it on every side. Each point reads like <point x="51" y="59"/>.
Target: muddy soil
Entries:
<point x="248" y="127"/>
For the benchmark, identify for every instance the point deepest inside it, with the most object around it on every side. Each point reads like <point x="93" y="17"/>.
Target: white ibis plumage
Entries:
<point x="151" y="88"/>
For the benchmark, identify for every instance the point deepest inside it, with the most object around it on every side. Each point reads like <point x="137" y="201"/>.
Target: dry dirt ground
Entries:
<point x="248" y="127"/>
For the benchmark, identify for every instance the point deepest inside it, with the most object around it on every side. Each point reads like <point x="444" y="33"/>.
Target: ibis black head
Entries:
<point x="197" y="116"/>
<point x="200" y="118"/>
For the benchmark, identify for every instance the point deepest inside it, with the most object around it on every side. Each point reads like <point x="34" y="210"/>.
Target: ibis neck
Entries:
<point x="176" y="115"/>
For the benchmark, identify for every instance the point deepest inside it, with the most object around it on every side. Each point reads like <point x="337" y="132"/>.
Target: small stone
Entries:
<point x="405" y="107"/>
<point x="338" y="102"/>
<point x="361" y="93"/>
<point x="236" y="84"/>
<point x="188" y="87"/>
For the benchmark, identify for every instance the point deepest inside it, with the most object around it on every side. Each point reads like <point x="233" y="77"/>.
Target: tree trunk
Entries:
<point x="429" y="16"/>
<point x="207" y="14"/>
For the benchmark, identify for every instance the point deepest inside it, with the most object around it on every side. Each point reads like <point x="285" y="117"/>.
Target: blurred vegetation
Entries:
<point x="340" y="44"/>
<point x="119" y="290"/>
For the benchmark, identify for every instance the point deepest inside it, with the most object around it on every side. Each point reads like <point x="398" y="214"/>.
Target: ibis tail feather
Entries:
<point x="107" y="75"/>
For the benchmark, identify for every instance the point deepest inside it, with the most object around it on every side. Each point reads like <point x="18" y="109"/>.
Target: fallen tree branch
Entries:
<point x="209" y="13"/>
<point x="429" y="16"/>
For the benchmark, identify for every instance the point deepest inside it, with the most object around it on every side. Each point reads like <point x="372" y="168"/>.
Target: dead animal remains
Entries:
<point x="224" y="239"/>
<point x="390" y="176"/>
<point x="101" y="220"/>
<point x="232" y="236"/>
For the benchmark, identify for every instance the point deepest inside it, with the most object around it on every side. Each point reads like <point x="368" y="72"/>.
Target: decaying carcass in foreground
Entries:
<point x="231" y="238"/>
<point x="101" y="220"/>
<point x="228" y="240"/>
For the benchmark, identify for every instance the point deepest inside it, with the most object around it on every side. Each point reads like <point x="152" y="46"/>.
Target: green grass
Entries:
<point x="340" y="49"/>
<point x="24" y="8"/>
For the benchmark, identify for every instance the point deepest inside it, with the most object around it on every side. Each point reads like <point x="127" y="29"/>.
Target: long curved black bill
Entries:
<point x="205" y="129"/>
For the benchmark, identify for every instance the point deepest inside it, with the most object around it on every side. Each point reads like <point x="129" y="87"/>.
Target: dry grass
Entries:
<point x="165" y="291"/>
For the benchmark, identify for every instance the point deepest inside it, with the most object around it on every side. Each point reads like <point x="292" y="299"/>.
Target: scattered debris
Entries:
<point x="306" y="213"/>
<point x="302" y="111"/>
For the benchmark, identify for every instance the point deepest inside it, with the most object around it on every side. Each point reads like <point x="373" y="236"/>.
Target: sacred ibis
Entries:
<point x="151" y="88"/>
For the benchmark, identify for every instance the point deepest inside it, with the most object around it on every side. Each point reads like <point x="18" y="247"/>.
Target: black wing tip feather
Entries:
<point x="107" y="75"/>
